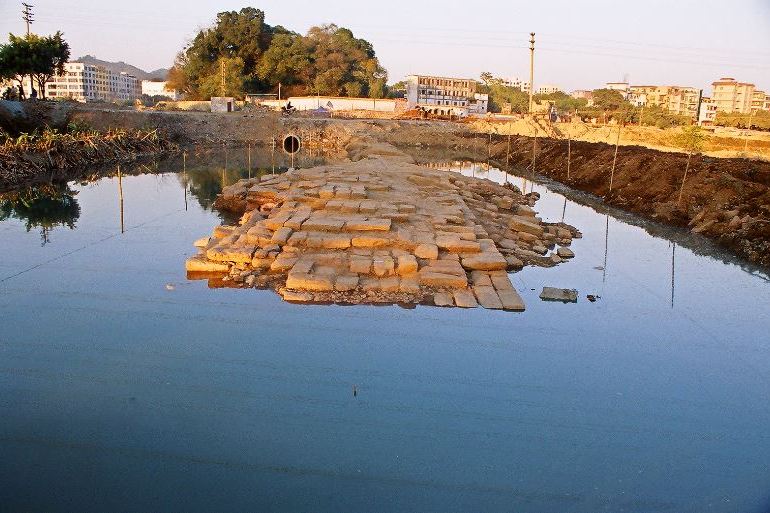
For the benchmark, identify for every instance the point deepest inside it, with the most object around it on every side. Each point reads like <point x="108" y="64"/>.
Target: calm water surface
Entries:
<point x="125" y="387"/>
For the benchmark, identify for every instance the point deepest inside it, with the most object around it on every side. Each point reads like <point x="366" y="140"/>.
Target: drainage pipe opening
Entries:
<point x="291" y="144"/>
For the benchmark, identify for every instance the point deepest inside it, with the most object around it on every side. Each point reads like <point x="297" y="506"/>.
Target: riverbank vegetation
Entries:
<point x="51" y="153"/>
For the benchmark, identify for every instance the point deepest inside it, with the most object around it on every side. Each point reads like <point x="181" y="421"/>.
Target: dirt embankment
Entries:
<point x="727" y="200"/>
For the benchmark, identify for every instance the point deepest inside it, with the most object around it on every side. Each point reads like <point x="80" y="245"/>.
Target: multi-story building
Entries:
<point x="683" y="101"/>
<point x="155" y="88"/>
<point x="733" y="96"/>
<point x="548" y="89"/>
<point x="87" y="82"/>
<point x="517" y="83"/>
<point x="760" y="101"/>
<point x="708" y="111"/>
<point x="443" y="95"/>
<point x="679" y="100"/>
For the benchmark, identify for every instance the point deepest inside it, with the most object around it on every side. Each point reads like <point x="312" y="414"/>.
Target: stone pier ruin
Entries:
<point x="380" y="230"/>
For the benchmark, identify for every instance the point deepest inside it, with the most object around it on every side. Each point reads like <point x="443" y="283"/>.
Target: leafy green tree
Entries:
<point x="234" y="79"/>
<point x="37" y="57"/>
<point x="286" y="61"/>
<point x="328" y="60"/>
<point x="49" y="55"/>
<point x="608" y="99"/>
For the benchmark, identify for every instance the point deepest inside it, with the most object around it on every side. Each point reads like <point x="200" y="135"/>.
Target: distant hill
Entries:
<point x="123" y="67"/>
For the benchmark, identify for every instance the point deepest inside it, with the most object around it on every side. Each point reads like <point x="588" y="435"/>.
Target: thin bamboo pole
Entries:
<point x="614" y="159"/>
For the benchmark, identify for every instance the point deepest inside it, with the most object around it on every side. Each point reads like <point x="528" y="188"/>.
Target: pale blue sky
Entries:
<point x="581" y="44"/>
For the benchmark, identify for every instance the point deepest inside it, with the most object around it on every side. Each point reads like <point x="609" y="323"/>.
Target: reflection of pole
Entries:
<point x="272" y="153"/>
<point x="120" y="196"/>
<point x="564" y="209"/>
<point x="569" y="152"/>
<point x="184" y="177"/>
<point x="614" y="159"/>
<point x="673" y="269"/>
<point x="249" y="152"/>
<point x="606" y="247"/>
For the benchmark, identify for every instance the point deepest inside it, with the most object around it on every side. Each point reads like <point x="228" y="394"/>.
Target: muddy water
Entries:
<point x="125" y="387"/>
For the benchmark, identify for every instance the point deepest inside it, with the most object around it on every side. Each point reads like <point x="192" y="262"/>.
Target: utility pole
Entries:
<point x="222" y="67"/>
<point x="531" y="67"/>
<point x="27" y="15"/>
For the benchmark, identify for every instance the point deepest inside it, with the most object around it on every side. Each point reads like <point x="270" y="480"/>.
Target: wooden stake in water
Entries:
<point x="120" y="196"/>
<point x="534" y="154"/>
<point x="614" y="159"/>
<point x="508" y="158"/>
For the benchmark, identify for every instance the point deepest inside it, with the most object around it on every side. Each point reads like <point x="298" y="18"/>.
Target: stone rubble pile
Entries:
<point x="380" y="231"/>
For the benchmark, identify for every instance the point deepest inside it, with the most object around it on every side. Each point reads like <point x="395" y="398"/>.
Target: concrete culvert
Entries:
<point x="291" y="143"/>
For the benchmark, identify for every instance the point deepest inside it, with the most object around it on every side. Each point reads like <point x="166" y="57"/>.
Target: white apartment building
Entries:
<point x="444" y="95"/>
<point x="708" y="111"/>
<point x="155" y="88"/>
<point x="547" y="89"/>
<point x="517" y="83"/>
<point x="87" y="83"/>
<point x="621" y="87"/>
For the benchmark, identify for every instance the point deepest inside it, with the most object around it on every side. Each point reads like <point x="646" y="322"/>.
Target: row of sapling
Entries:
<point x="33" y="57"/>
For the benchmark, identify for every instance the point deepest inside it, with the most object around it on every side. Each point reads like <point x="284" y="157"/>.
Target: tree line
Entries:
<point x="241" y="54"/>
<point x="35" y="57"/>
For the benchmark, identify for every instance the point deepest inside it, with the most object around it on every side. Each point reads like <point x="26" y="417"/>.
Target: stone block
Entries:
<point x="390" y="284"/>
<point x="442" y="280"/>
<point x="487" y="297"/>
<point x="511" y="300"/>
<point x="200" y="264"/>
<point x="360" y="264"/>
<point x="443" y="299"/>
<point x="370" y="241"/>
<point x="556" y="294"/>
<point x="324" y="224"/>
<point x="427" y="251"/>
<point x="311" y="282"/>
<point x="383" y="266"/>
<point x="407" y="264"/>
<point x="409" y="285"/>
<point x="464" y="298"/>
<point x="368" y="224"/>
<point x="565" y="252"/>
<point x="490" y="261"/>
<point x="281" y="235"/>
<point x="526" y="225"/>
<point x="346" y="283"/>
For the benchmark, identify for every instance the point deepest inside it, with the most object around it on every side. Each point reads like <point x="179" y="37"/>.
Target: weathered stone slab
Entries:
<point x="526" y="225"/>
<point x="201" y="264"/>
<point x="487" y="297"/>
<point x="442" y="280"/>
<point x="443" y="299"/>
<point x="565" y="252"/>
<point x="464" y="298"/>
<point x="370" y="241"/>
<point x="311" y="282"/>
<point x="490" y="261"/>
<point x="368" y="224"/>
<point x="427" y="251"/>
<point x="563" y="295"/>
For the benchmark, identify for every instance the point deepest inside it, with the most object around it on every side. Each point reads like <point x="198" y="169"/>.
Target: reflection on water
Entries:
<point x="42" y="207"/>
<point x="125" y="387"/>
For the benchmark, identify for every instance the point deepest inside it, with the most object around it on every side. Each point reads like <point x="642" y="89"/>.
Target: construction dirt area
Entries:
<point x="726" y="199"/>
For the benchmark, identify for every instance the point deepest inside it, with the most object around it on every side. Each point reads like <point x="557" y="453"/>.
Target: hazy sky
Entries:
<point x="580" y="44"/>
